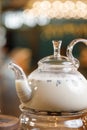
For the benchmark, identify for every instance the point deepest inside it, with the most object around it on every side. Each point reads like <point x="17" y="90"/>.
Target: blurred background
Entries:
<point x="27" y="28"/>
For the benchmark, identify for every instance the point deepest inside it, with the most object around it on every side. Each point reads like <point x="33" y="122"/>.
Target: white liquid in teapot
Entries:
<point x="60" y="93"/>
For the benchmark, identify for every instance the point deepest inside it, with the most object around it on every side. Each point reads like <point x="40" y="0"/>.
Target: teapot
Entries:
<point x="56" y="85"/>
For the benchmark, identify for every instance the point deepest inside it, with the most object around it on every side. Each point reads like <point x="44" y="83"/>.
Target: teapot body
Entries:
<point x="64" y="90"/>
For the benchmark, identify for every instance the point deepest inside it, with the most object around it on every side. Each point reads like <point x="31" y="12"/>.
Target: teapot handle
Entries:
<point x="70" y="49"/>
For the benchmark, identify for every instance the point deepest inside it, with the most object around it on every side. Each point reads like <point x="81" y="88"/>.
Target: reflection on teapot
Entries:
<point x="56" y="85"/>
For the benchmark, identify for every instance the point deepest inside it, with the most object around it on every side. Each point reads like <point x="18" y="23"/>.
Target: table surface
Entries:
<point x="9" y="122"/>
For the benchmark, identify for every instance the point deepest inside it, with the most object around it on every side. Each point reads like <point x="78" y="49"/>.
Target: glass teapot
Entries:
<point x="55" y="87"/>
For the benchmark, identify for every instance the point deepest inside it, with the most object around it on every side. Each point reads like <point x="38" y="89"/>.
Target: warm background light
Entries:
<point x="42" y="12"/>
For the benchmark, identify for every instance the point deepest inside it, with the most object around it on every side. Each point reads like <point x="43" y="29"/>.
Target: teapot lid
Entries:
<point x="57" y="59"/>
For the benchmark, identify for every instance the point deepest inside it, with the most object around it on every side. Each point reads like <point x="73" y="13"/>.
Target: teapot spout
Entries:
<point x="22" y="87"/>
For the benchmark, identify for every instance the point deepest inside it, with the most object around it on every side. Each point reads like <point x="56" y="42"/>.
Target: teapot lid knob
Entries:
<point x="56" y="47"/>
